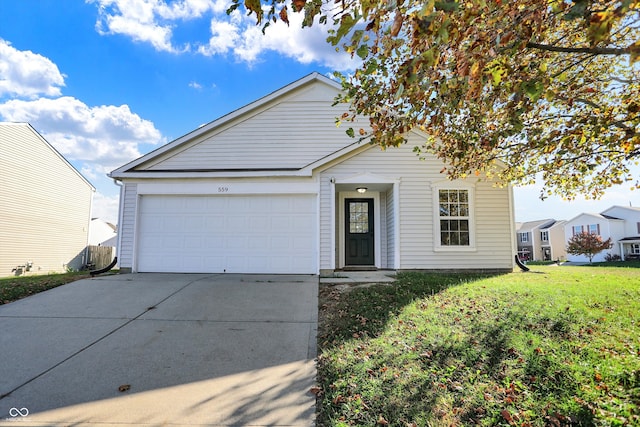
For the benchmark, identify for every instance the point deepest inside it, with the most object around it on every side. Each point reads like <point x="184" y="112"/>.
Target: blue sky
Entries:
<point x="105" y="81"/>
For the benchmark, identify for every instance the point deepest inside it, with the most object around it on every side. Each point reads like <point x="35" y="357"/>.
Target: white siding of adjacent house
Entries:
<point x="290" y="132"/>
<point x="609" y="228"/>
<point x="493" y="214"/>
<point x="45" y="205"/>
<point x="631" y="217"/>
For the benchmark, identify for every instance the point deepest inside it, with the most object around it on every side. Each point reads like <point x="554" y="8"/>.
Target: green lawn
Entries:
<point x="14" y="288"/>
<point x="558" y="346"/>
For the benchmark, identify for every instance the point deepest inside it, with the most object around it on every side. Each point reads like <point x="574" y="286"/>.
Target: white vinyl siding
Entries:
<point x="416" y="233"/>
<point x="45" y="205"/>
<point x="391" y="214"/>
<point x="127" y="228"/>
<point x="291" y="133"/>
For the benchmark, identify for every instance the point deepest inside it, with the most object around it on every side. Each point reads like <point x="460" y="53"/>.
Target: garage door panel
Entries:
<point x="234" y="234"/>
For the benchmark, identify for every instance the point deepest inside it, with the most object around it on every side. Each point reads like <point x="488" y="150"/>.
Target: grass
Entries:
<point x="556" y="347"/>
<point x="15" y="288"/>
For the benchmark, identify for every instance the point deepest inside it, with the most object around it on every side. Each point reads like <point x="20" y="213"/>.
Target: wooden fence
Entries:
<point x="100" y="256"/>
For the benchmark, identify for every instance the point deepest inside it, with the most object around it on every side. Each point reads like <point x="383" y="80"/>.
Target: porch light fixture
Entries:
<point x="361" y="190"/>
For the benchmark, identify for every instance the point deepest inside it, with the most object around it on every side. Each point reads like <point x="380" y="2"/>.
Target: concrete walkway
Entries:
<point x="359" y="277"/>
<point x="162" y="349"/>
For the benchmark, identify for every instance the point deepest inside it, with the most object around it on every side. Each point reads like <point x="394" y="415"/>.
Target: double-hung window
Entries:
<point x="454" y="219"/>
<point x="544" y="236"/>
<point x="524" y="237"/>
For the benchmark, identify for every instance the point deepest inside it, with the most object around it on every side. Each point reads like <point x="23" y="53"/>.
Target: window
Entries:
<point x="524" y="237"/>
<point x="544" y="236"/>
<point x="594" y="228"/>
<point x="638" y="225"/>
<point x="635" y="248"/>
<point x="577" y="229"/>
<point x="454" y="217"/>
<point x="358" y="217"/>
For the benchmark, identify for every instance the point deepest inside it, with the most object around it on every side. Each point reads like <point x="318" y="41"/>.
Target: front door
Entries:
<point x="359" y="232"/>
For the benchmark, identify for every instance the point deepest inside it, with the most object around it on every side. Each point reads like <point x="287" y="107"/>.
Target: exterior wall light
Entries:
<point x="361" y="190"/>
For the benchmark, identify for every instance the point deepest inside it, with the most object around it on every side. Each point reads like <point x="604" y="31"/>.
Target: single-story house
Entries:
<point x="45" y="205"/>
<point x="277" y="187"/>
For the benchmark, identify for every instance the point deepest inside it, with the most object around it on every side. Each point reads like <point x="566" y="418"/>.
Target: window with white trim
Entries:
<point x="454" y="217"/>
<point x="594" y="228"/>
<point x="524" y="237"/>
<point x="577" y="229"/>
<point x="635" y="248"/>
<point x="544" y="236"/>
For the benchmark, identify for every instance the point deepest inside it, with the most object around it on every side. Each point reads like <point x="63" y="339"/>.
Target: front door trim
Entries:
<point x="342" y="196"/>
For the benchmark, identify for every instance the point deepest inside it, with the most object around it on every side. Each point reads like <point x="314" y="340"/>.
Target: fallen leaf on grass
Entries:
<point x="507" y="416"/>
<point x="382" y="421"/>
<point x="315" y="390"/>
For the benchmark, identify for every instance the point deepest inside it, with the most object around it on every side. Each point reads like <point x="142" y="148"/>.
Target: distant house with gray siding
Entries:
<point x="45" y="205"/>
<point x="276" y="187"/>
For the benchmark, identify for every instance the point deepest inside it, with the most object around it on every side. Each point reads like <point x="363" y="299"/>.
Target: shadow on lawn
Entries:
<point x="480" y="377"/>
<point x="365" y="311"/>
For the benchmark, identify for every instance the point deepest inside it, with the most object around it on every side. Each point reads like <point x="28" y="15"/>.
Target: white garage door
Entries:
<point x="232" y="234"/>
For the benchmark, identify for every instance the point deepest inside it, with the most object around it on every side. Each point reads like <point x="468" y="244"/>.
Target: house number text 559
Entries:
<point x="223" y="189"/>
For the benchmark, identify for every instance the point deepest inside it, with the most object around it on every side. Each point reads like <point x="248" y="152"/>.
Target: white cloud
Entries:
<point x="150" y="21"/>
<point x="104" y="136"/>
<point x="195" y="85"/>
<point x="105" y="207"/>
<point x="27" y="74"/>
<point x="241" y="36"/>
<point x="153" y="21"/>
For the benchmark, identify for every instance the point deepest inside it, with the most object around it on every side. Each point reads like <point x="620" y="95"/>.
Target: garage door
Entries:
<point x="232" y="234"/>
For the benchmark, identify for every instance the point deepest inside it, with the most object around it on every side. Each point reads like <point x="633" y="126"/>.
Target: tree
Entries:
<point x="509" y="89"/>
<point x="587" y="244"/>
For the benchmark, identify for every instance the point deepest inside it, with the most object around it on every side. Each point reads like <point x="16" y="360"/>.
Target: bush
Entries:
<point x="612" y="257"/>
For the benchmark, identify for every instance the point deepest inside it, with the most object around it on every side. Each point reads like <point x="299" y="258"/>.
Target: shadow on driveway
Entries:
<point x="186" y="349"/>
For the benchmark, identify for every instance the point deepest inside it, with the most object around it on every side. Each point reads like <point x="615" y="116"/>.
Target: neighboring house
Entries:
<point x="276" y="187"/>
<point x="553" y="243"/>
<point x="45" y="205"/>
<point x="621" y="224"/>
<point x="541" y="240"/>
<point x="102" y="233"/>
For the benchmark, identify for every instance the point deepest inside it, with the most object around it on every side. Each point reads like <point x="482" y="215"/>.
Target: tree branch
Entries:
<point x="594" y="51"/>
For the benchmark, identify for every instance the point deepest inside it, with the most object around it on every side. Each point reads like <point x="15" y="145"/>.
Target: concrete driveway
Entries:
<point x="162" y="349"/>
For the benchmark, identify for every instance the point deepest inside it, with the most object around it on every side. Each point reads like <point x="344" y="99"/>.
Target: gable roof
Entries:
<point x="25" y="133"/>
<point x="531" y="225"/>
<point x="593" y="215"/>
<point x="288" y="132"/>
<point x="616" y="207"/>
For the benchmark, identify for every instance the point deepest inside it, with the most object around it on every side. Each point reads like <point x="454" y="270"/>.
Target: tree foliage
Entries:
<point x="509" y="89"/>
<point x="587" y="244"/>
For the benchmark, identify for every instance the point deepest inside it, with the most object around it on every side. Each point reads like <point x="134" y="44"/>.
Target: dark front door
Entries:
<point x="359" y="232"/>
